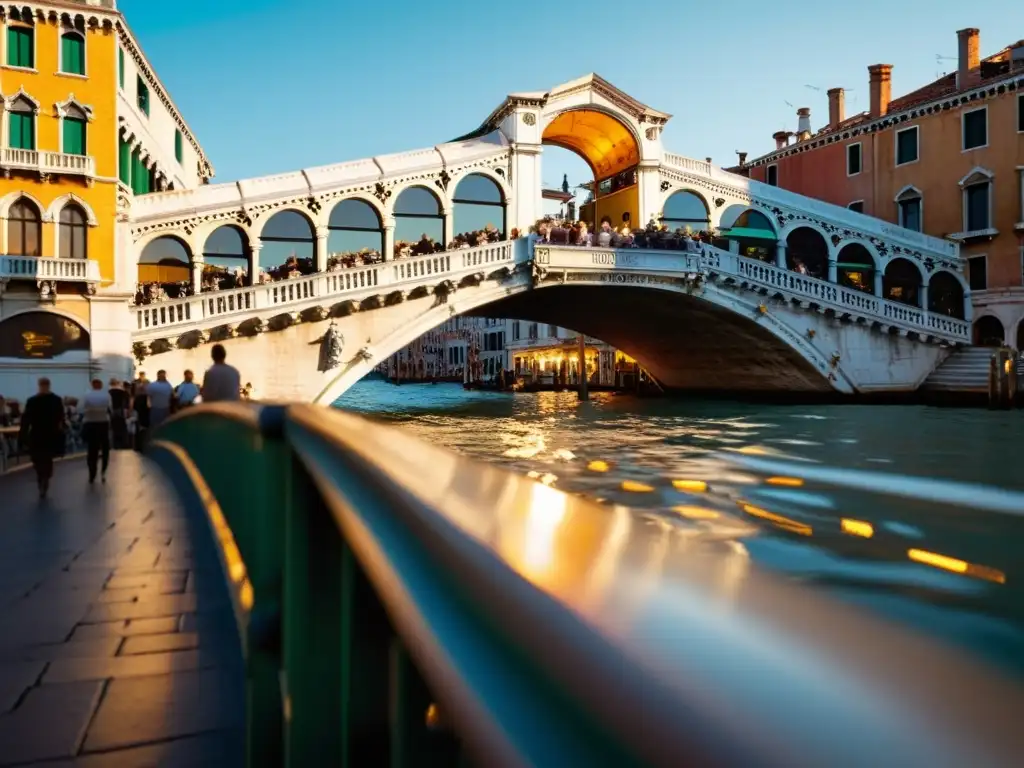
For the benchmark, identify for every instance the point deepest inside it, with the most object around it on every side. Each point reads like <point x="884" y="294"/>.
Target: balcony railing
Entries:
<point x="47" y="162"/>
<point x="400" y="605"/>
<point x="48" y="268"/>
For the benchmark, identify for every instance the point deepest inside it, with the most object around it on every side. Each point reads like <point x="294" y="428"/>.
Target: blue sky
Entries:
<point x="270" y="86"/>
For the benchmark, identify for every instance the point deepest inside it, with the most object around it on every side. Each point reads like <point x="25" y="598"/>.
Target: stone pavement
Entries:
<point x="117" y="640"/>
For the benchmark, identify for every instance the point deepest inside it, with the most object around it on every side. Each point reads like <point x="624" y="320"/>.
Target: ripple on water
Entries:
<point x="839" y="496"/>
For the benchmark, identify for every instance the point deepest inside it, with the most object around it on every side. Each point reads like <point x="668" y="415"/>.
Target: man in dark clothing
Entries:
<point x="42" y="433"/>
<point x="119" y="414"/>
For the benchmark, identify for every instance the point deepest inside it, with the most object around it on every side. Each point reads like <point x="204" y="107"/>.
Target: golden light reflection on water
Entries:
<point x="547" y="511"/>
<point x="785" y="482"/>
<point x="955" y="565"/>
<point x="785" y="523"/>
<point x="857" y="528"/>
<point x="693" y="486"/>
<point x="696" y="513"/>
<point x="632" y="486"/>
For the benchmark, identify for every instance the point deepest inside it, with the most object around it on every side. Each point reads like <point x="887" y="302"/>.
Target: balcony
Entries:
<point x="47" y="163"/>
<point x="49" y="269"/>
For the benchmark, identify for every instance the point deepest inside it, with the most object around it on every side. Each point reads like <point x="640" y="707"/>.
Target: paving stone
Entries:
<point x="16" y="677"/>
<point x="117" y="596"/>
<point x="225" y="749"/>
<point x="73" y="649"/>
<point x="139" y="665"/>
<point x="176" y="641"/>
<point x="145" y="709"/>
<point x="127" y="628"/>
<point x="161" y="581"/>
<point x="162" y="605"/>
<point x="49" y="724"/>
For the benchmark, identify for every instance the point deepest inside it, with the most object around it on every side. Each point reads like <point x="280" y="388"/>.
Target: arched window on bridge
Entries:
<point x="807" y="252"/>
<point x="419" y="220"/>
<point x="166" y="261"/>
<point x="24" y="229"/>
<point x="902" y="283"/>
<point x="354" y="227"/>
<point x="988" y="332"/>
<point x="288" y="243"/>
<point x="855" y="268"/>
<point x="687" y="211"/>
<point x="226" y="258"/>
<point x="73" y="232"/>
<point x="755" y="234"/>
<point x="479" y="209"/>
<point x="946" y="295"/>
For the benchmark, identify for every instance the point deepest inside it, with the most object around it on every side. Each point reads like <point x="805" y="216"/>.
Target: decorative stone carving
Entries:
<point x="443" y="180"/>
<point x="665" y="185"/>
<point x="719" y="202"/>
<point x="381" y="192"/>
<point x="331" y="346"/>
<point x="47" y="290"/>
<point x="652" y="134"/>
<point x="529" y="118"/>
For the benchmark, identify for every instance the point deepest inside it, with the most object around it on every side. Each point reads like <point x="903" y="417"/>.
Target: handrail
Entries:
<point x="549" y="631"/>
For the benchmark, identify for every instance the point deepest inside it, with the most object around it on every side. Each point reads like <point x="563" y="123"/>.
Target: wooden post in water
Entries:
<point x="581" y="367"/>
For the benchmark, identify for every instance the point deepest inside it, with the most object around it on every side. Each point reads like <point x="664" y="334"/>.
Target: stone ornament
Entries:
<point x="529" y="118"/>
<point x="331" y="346"/>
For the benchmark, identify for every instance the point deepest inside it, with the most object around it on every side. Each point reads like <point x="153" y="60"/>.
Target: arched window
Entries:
<point x="908" y="209"/>
<point x="902" y="283"/>
<point x="288" y="240"/>
<point x="73" y="130"/>
<point x="855" y="268"/>
<point x="479" y="206"/>
<point x="74" y="233"/>
<point x="755" y="235"/>
<point x="165" y="260"/>
<point x="22" y="124"/>
<point x="225" y="251"/>
<point x="988" y="332"/>
<point x="807" y="252"/>
<point x="24" y="229"/>
<point x="686" y="210"/>
<point x="354" y="226"/>
<point x="977" y="200"/>
<point x="946" y="295"/>
<point x="72" y="53"/>
<point x="418" y="216"/>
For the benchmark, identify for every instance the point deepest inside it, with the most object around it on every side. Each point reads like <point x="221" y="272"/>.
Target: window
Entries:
<point x="178" y="149"/>
<point x="72" y="53"/>
<point x="24" y="229"/>
<point x="120" y="67"/>
<point x="21" y="47"/>
<point x="977" y="202"/>
<point x="907" y="145"/>
<point x="142" y="95"/>
<point x="124" y="161"/>
<point x="853" y="159"/>
<point x="857" y="206"/>
<point x="74" y="242"/>
<point x="975" y="129"/>
<point x="772" y="176"/>
<point x="22" y="124"/>
<point x="73" y="130"/>
<point x="908" y="209"/>
<point x="977" y="272"/>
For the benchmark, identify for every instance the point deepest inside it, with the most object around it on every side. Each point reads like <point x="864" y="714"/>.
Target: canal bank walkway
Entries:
<point x="117" y="640"/>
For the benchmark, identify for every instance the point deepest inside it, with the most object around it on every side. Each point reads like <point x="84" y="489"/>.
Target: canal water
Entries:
<point x="916" y="513"/>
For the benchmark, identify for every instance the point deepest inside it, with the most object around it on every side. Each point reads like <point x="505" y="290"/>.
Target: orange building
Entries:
<point x="946" y="159"/>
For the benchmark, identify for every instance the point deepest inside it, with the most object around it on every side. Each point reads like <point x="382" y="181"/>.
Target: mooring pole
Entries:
<point x="581" y="366"/>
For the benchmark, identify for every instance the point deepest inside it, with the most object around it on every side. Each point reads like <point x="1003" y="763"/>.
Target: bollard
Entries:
<point x="1002" y="379"/>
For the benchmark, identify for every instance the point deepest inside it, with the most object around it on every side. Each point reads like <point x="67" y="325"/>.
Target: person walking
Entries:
<point x="140" y="404"/>
<point x="119" y="407"/>
<point x="221" y="382"/>
<point x="161" y="393"/>
<point x="42" y="433"/>
<point x="187" y="392"/>
<point x="97" y="408"/>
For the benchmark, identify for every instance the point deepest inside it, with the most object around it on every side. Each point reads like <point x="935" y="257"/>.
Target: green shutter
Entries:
<point x="74" y="136"/>
<point x="120" y="66"/>
<point x="22" y="131"/>
<point x="136" y="175"/>
<point x="19" y="46"/>
<point x="72" y="53"/>
<point x="178" y="153"/>
<point x="143" y="95"/>
<point x="124" y="161"/>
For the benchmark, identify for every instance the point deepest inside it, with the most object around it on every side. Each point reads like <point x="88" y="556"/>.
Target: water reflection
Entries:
<point x="841" y="497"/>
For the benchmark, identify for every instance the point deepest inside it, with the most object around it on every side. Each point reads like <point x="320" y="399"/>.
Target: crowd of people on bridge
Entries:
<point x="657" y="236"/>
<point x="119" y="417"/>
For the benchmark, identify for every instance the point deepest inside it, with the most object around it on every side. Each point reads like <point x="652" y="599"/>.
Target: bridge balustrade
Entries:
<point x="401" y="605"/>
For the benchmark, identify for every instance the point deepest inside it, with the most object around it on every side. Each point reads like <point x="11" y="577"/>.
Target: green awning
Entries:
<point x="749" y="234"/>
<point x="855" y="265"/>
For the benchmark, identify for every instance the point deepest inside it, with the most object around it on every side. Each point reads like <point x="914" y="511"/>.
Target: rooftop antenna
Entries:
<point x="939" y="58"/>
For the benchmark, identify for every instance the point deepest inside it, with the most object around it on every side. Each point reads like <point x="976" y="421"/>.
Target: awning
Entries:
<point x="746" y="233"/>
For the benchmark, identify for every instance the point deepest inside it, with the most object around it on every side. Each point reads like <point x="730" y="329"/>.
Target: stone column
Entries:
<point x="389" y="239"/>
<point x="968" y="307"/>
<point x="923" y="293"/>
<point x="780" y="254"/>
<point x="254" y="262"/>
<point x="320" y="253"/>
<point x="449" y="226"/>
<point x="833" y="270"/>
<point x="879" y="285"/>
<point x="197" y="275"/>
<point x="734" y="247"/>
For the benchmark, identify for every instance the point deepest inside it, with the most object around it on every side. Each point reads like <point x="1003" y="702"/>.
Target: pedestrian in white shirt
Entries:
<point x="160" y="395"/>
<point x="187" y="391"/>
<point x="96" y="410"/>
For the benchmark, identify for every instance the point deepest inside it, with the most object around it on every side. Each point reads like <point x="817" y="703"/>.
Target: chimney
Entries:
<point x="969" y="60"/>
<point x="743" y="158"/>
<point x="803" y="123"/>
<point x="881" y="88"/>
<point x="836" y="107"/>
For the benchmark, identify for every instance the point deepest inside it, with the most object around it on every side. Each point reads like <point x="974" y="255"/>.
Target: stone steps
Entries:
<point x="965" y="371"/>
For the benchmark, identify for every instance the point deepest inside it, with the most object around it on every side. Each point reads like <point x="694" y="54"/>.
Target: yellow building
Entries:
<point x="86" y="125"/>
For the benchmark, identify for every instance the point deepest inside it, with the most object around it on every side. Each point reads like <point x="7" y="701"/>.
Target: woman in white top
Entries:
<point x="96" y="410"/>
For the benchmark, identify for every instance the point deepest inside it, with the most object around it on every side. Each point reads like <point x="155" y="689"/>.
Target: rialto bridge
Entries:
<point x="780" y="292"/>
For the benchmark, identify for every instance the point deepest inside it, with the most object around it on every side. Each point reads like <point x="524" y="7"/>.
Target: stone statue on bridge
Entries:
<point x="330" y="349"/>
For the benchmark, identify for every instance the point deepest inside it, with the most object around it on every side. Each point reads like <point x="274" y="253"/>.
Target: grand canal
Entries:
<point x="916" y="513"/>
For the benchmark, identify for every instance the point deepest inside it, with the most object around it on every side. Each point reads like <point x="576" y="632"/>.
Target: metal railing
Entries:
<point x="401" y="605"/>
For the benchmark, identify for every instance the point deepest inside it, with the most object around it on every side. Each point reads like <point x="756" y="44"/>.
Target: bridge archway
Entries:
<point x="946" y="295"/>
<point x="685" y="209"/>
<point x="478" y="206"/>
<point x="988" y="331"/>
<point x="902" y="282"/>
<point x="612" y="150"/>
<point x="288" y="243"/>
<point x="807" y="250"/>
<point x="226" y="250"/>
<point x="354" y="230"/>
<point x="855" y="267"/>
<point x="167" y="261"/>
<point x="419" y="221"/>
